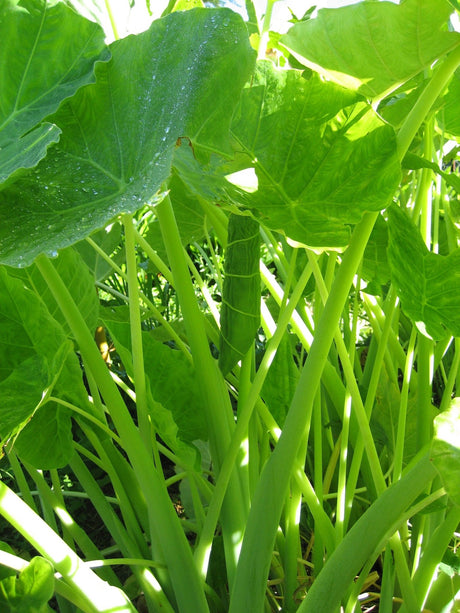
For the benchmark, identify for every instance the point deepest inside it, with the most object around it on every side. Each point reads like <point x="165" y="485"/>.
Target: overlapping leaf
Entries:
<point x="428" y="284"/>
<point x="181" y="78"/>
<point x="35" y="78"/>
<point x="321" y="156"/>
<point x="36" y="359"/>
<point x="373" y="47"/>
<point x="174" y="399"/>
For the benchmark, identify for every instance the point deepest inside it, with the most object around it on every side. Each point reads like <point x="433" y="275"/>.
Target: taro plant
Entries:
<point x="230" y="309"/>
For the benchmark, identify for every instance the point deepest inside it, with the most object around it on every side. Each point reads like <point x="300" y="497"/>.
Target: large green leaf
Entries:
<point x="36" y="360"/>
<point x="445" y="450"/>
<point x="118" y="135"/>
<point x="428" y="284"/>
<point x="37" y="72"/>
<point x="322" y="158"/>
<point x="373" y="47"/>
<point x="449" y="117"/>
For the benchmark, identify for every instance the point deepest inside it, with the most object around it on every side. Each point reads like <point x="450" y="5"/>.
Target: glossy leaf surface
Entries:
<point x="118" y="138"/>
<point x="373" y="47"/>
<point x="35" y="79"/>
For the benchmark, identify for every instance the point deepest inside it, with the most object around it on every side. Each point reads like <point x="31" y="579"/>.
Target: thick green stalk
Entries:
<point x="184" y="579"/>
<point x="250" y="583"/>
<point x="365" y="539"/>
<point x="98" y="596"/>
<point x="219" y="413"/>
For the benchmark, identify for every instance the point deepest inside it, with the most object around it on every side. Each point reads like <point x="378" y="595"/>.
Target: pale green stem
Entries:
<point x="219" y="413"/>
<point x="137" y="351"/>
<point x="97" y="595"/>
<point x="187" y="585"/>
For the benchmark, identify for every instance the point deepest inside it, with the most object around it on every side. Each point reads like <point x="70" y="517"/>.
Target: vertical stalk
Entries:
<point x="183" y="578"/>
<point x="250" y="582"/>
<point x="219" y="413"/>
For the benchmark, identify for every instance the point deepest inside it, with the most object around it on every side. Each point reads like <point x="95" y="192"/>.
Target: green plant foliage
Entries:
<point x="78" y="279"/>
<point x="240" y="314"/>
<point x="322" y="158"/>
<point x="445" y="449"/>
<point x="448" y="117"/>
<point x="428" y="284"/>
<point x="281" y="381"/>
<point x="117" y="141"/>
<point x="176" y="408"/>
<point x="30" y="591"/>
<point x="34" y="79"/>
<point x="334" y="43"/>
<point x="34" y="343"/>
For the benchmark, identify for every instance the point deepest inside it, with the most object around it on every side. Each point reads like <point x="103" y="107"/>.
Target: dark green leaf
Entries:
<point x="415" y="162"/>
<point x="78" y="280"/>
<point x="428" y="284"/>
<point x="373" y="47"/>
<point x="445" y="449"/>
<point x="321" y="157"/>
<point x="119" y="135"/>
<point x="175" y="402"/>
<point x="281" y="381"/>
<point x="240" y="314"/>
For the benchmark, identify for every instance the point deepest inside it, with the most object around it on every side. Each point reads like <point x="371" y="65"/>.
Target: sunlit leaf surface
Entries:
<point x="445" y="450"/>
<point x="428" y="284"/>
<point x="321" y="156"/>
<point x="373" y="47"/>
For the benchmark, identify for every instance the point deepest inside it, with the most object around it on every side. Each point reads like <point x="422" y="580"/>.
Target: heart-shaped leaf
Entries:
<point x="182" y="77"/>
<point x="373" y="47"/>
<point x="321" y="156"/>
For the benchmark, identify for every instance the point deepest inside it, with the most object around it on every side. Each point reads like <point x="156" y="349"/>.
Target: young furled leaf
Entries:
<point x="240" y="313"/>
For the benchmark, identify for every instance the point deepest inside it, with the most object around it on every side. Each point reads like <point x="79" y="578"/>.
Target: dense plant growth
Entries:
<point x="230" y="310"/>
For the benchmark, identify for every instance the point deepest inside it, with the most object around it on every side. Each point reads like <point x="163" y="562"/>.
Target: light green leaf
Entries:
<point x="428" y="284"/>
<point x="36" y="75"/>
<point x="119" y="135"/>
<point x="31" y="590"/>
<point x="373" y="47"/>
<point x="321" y="157"/>
<point x="449" y="117"/>
<point x="240" y="313"/>
<point x="445" y="450"/>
